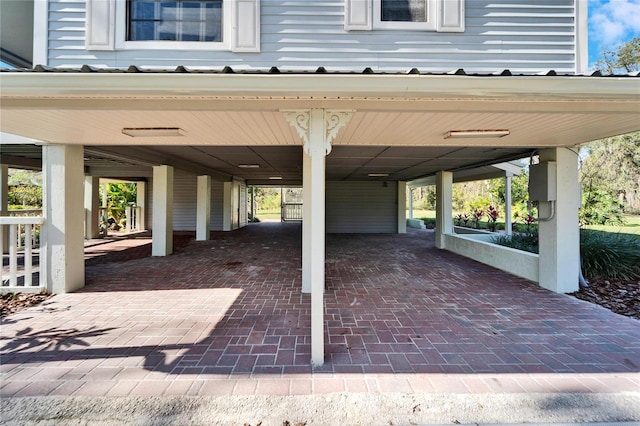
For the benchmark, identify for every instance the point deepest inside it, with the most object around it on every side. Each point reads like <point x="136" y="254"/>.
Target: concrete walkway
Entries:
<point x="404" y="320"/>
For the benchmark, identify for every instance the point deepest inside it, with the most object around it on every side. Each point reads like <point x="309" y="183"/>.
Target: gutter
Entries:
<point x="126" y="85"/>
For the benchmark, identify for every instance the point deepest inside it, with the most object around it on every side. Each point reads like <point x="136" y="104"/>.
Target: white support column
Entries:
<point x="4" y="207"/>
<point x="559" y="236"/>
<point x="507" y="205"/>
<point x="62" y="235"/>
<point x="91" y="207"/>
<point x="317" y="128"/>
<point x="253" y="203"/>
<point x="141" y="201"/>
<point x="411" y="203"/>
<point x="227" y="206"/>
<point x="162" y="235"/>
<point x="444" y="207"/>
<point x="402" y="207"/>
<point x="307" y="215"/>
<point x="203" y="208"/>
<point x="317" y="152"/>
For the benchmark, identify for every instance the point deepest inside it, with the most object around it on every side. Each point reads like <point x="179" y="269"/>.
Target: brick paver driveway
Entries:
<point x="227" y="316"/>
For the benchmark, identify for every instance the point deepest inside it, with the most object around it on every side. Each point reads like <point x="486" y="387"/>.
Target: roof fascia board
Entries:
<point x="176" y="86"/>
<point x="21" y="162"/>
<point x="509" y="168"/>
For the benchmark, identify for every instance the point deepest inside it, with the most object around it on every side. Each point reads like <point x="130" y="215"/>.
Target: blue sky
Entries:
<point x="611" y="23"/>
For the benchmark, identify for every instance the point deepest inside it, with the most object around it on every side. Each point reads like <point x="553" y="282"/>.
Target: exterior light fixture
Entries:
<point x="137" y="132"/>
<point x="490" y="133"/>
<point x="249" y="166"/>
<point x="378" y="174"/>
<point x="275" y="178"/>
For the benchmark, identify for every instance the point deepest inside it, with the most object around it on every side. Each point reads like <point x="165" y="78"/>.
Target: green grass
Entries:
<point x="269" y="214"/>
<point x="631" y="226"/>
<point x="419" y="214"/>
<point x="631" y="223"/>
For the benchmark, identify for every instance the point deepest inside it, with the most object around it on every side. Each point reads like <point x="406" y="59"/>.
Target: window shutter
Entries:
<point x="357" y="15"/>
<point x="100" y="25"/>
<point x="451" y="16"/>
<point x="246" y="26"/>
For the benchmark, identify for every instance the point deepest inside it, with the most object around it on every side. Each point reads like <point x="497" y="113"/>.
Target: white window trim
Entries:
<point x="448" y="17"/>
<point x="123" y="44"/>
<point x="430" y="25"/>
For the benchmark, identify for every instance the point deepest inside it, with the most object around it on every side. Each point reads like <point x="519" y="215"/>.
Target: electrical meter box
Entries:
<point x="542" y="181"/>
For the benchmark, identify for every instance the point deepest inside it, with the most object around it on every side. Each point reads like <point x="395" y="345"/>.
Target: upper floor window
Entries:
<point x="173" y="25"/>
<point x="174" y="20"/>
<point x="405" y="14"/>
<point x="424" y="15"/>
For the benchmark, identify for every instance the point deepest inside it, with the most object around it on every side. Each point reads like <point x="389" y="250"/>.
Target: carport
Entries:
<point x="355" y="127"/>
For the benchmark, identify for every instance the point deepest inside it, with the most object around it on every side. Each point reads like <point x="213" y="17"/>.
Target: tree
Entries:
<point x="612" y="169"/>
<point x="119" y="196"/>
<point x="25" y="188"/>
<point x="625" y="59"/>
<point x="610" y="173"/>
<point x="519" y="194"/>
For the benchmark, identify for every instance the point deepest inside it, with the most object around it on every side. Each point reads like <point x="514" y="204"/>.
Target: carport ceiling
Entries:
<point x="398" y="124"/>
<point x="343" y="163"/>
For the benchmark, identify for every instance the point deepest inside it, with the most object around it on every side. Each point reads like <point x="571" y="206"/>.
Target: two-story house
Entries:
<point x="351" y="99"/>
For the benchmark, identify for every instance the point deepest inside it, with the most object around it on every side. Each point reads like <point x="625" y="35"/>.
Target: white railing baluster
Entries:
<point x="13" y="255"/>
<point x="128" y="220"/>
<point x="27" y="256"/>
<point x="2" y="254"/>
<point x="12" y="225"/>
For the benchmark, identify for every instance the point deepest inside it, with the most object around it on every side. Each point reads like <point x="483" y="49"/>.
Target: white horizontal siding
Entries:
<point x="361" y="207"/>
<point x="184" y="201"/>
<point x="526" y="36"/>
<point x="217" y="205"/>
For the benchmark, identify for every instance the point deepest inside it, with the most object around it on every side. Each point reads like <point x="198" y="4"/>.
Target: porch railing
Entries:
<point x="20" y="229"/>
<point x="23" y="234"/>
<point x="133" y="214"/>
<point x="291" y="212"/>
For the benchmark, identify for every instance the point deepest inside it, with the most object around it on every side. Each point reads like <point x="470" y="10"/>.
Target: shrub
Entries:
<point x="603" y="254"/>
<point x="429" y="222"/>
<point x="601" y="208"/>
<point x="610" y="255"/>
<point x="524" y="242"/>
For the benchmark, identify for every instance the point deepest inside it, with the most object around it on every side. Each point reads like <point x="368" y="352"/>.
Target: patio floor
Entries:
<point x="227" y="317"/>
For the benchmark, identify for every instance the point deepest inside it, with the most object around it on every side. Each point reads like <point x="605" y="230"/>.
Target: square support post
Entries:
<point x="203" y="208"/>
<point x="307" y="218"/>
<point x="227" y="206"/>
<point x="4" y="206"/>
<point x="62" y="235"/>
<point x="444" y="207"/>
<point x="141" y="201"/>
<point x="558" y="227"/>
<point x="162" y="235"/>
<point x="316" y="235"/>
<point x="402" y="207"/>
<point x="508" y="226"/>
<point x="91" y="207"/>
<point x="411" y="203"/>
<point x="317" y="128"/>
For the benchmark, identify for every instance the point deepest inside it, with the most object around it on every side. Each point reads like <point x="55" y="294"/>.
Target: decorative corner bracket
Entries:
<point x="334" y="120"/>
<point x="331" y="123"/>
<point x="299" y="120"/>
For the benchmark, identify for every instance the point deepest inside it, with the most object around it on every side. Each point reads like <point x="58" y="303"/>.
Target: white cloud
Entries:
<point x="613" y="21"/>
